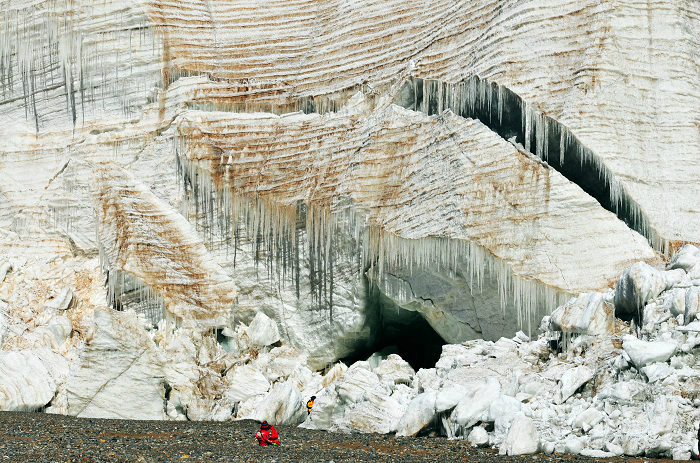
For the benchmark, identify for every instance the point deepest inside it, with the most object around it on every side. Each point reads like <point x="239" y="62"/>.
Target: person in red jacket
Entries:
<point x="267" y="435"/>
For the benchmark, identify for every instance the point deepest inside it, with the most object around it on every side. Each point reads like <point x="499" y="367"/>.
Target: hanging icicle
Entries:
<point x="272" y="230"/>
<point x="504" y="112"/>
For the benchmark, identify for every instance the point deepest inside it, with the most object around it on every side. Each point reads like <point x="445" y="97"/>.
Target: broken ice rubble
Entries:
<point x="590" y="384"/>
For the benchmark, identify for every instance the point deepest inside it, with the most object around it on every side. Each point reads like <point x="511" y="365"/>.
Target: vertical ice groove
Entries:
<point x="527" y="125"/>
<point x="61" y="50"/>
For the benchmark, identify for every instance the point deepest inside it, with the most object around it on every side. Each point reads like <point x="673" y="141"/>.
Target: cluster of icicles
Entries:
<point x="48" y="52"/>
<point x="128" y="292"/>
<point x="511" y="117"/>
<point x="294" y="235"/>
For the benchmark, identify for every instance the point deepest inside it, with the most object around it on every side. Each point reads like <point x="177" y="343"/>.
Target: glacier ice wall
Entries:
<point x="630" y="74"/>
<point x="508" y="115"/>
<point x="415" y="191"/>
<point x="144" y="87"/>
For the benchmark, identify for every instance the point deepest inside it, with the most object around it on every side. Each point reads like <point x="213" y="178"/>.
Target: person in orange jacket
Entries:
<point x="310" y="404"/>
<point x="267" y="435"/>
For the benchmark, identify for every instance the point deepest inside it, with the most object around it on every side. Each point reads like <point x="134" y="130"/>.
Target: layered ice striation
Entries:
<point x="65" y="63"/>
<point x="621" y="76"/>
<point x="507" y="114"/>
<point x="311" y="216"/>
<point x="631" y="100"/>
<point x="153" y="257"/>
<point x="426" y="199"/>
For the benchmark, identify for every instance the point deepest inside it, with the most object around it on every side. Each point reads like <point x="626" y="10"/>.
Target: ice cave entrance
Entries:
<point x="403" y="332"/>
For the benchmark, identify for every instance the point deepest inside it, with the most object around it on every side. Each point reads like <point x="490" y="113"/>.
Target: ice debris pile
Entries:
<point x="590" y="384"/>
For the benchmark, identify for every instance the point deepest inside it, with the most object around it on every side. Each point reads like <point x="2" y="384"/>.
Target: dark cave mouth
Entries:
<point x="403" y="332"/>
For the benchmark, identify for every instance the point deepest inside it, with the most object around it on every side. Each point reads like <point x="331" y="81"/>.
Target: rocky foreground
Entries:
<point x="38" y="437"/>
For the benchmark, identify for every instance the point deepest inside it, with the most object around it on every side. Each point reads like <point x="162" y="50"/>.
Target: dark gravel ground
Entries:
<point x="38" y="437"/>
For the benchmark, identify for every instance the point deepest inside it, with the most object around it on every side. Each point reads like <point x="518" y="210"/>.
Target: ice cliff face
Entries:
<point x="321" y="173"/>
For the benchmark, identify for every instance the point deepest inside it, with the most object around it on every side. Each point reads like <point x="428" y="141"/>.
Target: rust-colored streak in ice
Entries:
<point x="409" y="176"/>
<point x="146" y="238"/>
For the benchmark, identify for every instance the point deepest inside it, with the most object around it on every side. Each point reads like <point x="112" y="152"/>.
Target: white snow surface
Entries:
<point x="686" y="258"/>
<point x="29" y="378"/>
<point x="420" y="412"/>
<point x="522" y="437"/>
<point x="246" y="382"/>
<point x="644" y="352"/>
<point x="589" y="313"/>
